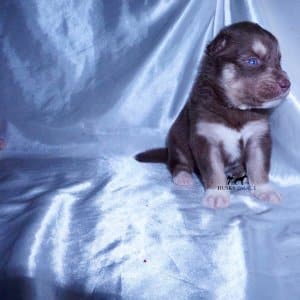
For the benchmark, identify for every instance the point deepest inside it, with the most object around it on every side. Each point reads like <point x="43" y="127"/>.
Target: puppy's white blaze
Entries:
<point x="259" y="48"/>
<point x="216" y="133"/>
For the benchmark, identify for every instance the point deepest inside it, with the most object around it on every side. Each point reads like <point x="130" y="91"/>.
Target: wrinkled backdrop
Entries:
<point x="86" y="84"/>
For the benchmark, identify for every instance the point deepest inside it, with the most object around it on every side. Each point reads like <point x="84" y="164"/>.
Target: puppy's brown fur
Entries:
<point x="223" y="127"/>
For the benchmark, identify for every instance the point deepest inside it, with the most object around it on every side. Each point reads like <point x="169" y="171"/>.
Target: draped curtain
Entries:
<point x="84" y="86"/>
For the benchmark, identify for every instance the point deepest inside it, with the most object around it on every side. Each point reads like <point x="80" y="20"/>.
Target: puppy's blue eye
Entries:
<point x="252" y="61"/>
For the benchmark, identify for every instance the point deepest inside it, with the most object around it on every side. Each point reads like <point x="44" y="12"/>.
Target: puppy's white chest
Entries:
<point x="222" y="136"/>
<point x="230" y="139"/>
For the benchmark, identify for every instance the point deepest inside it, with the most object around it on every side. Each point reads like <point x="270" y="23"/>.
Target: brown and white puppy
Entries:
<point x="223" y="128"/>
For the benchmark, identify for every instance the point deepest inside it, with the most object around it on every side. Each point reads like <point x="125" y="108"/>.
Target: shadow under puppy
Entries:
<point x="223" y="128"/>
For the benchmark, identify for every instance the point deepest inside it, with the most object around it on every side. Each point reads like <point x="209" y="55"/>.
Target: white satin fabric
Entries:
<point x="84" y="86"/>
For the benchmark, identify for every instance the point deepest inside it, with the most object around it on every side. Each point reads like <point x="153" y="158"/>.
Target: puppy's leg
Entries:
<point x="258" y="155"/>
<point x="180" y="160"/>
<point x="181" y="166"/>
<point x="211" y="167"/>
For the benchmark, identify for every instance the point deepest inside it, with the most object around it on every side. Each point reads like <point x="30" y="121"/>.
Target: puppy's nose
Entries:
<point x="284" y="83"/>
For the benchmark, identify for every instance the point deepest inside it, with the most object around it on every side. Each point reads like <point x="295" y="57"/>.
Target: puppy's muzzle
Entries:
<point x="284" y="84"/>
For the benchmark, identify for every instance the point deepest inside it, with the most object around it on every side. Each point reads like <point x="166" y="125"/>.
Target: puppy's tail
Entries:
<point x="159" y="155"/>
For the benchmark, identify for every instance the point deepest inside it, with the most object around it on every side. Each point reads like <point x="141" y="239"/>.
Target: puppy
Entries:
<point x="223" y="128"/>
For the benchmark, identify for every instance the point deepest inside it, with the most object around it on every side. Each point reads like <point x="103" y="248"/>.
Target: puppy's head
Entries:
<point x="247" y="62"/>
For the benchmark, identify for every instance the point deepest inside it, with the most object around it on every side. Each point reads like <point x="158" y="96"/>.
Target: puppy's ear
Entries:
<point x="219" y="44"/>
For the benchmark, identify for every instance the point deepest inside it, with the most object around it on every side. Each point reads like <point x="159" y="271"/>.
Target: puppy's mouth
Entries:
<point x="267" y="96"/>
<point x="270" y="103"/>
<point x="265" y="105"/>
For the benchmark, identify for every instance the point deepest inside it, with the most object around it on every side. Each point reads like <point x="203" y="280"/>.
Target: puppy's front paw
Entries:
<point x="216" y="198"/>
<point x="265" y="192"/>
<point x="183" y="178"/>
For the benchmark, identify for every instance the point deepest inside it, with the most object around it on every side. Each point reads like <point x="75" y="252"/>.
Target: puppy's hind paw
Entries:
<point x="183" y="178"/>
<point x="216" y="199"/>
